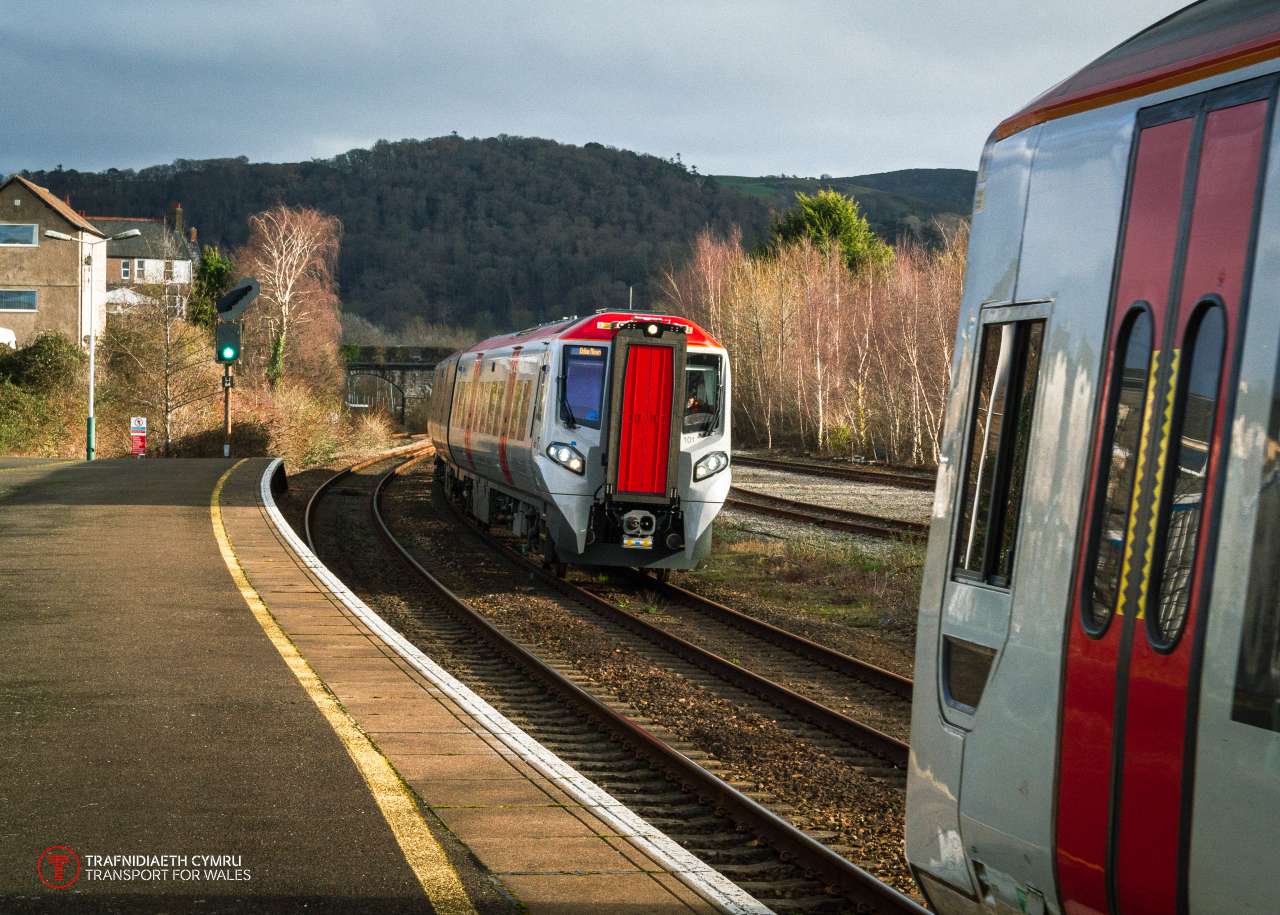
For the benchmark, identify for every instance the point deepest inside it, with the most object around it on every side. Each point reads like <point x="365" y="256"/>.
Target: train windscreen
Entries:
<point x="582" y="386"/>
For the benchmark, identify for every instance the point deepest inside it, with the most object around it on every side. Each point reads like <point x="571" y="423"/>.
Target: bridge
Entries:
<point x="392" y="378"/>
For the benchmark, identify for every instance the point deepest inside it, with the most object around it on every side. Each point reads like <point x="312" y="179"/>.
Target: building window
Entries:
<point x="139" y="270"/>
<point x="17" y="300"/>
<point x="168" y="271"/>
<point x="999" y="435"/>
<point x="124" y="269"/>
<point x="20" y="234"/>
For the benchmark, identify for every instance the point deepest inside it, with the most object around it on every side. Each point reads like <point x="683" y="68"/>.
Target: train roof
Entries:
<point x="598" y="326"/>
<point x="1201" y="40"/>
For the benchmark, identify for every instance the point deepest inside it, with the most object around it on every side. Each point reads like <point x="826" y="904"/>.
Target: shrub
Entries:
<point x="48" y="363"/>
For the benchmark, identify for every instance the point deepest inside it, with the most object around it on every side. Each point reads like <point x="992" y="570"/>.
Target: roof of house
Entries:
<point x="62" y="208"/>
<point x="150" y="244"/>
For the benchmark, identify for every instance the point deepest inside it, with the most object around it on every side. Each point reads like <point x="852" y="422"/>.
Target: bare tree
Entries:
<point x="293" y="253"/>
<point x="161" y="365"/>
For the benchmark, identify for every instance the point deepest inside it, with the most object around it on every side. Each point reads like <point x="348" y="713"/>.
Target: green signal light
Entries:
<point x="228" y="352"/>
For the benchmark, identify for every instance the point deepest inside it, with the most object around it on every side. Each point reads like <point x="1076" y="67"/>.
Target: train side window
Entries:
<point x="999" y="435"/>
<point x="1191" y="438"/>
<point x="1123" y="435"/>
<point x="1257" y="691"/>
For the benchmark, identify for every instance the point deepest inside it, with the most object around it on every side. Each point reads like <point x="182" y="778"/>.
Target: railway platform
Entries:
<point x="195" y="720"/>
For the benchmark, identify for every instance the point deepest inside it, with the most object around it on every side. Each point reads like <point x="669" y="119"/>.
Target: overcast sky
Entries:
<point x="734" y="86"/>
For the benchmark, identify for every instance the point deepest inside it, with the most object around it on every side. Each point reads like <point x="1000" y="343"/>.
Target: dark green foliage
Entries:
<point x="831" y="221"/>
<point x="212" y="279"/>
<point x="47" y="364"/>
<point x="901" y="204"/>
<point x="504" y="231"/>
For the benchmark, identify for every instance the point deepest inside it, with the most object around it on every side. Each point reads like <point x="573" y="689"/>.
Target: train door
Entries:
<point x="1139" y="604"/>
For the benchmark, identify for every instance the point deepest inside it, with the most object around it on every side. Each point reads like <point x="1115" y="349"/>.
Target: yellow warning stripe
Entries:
<point x="1138" y="480"/>
<point x="439" y="880"/>
<point x="1162" y="459"/>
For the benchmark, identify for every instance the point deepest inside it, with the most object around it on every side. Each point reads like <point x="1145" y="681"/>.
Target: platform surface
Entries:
<point x="145" y="711"/>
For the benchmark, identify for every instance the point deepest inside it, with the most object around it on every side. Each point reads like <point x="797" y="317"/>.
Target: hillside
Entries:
<point x="498" y="232"/>
<point x="896" y="204"/>
<point x="494" y="232"/>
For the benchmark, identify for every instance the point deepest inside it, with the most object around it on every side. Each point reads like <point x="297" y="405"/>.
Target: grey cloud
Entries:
<point x="741" y="87"/>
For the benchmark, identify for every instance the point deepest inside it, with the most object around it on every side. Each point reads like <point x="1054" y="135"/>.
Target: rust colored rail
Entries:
<point x="906" y="479"/>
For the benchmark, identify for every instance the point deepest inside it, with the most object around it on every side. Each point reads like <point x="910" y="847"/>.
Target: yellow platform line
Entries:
<point x="439" y="880"/>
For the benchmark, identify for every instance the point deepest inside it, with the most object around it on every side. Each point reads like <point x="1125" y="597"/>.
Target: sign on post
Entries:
<point x="138" y="436"/>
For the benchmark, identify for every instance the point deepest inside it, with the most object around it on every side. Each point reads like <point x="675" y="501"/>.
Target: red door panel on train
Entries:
<point x="1131" y="678"/>
<point x="645" y="441"/>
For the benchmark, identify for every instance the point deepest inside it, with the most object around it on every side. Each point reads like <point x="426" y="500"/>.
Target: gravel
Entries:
<point x="850" y="495"/>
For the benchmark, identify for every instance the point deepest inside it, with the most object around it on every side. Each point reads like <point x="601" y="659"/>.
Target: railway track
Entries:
<point x="663" y="777"/>
<point x="836" y="519"/>
<point x="908" y="479"/>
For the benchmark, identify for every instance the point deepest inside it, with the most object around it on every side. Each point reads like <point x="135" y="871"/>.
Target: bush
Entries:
<point x="48" y="363"/>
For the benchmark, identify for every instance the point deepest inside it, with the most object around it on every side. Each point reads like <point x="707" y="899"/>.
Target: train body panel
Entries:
<point x="526" y="424"/>
<point x="1135" y="768"/>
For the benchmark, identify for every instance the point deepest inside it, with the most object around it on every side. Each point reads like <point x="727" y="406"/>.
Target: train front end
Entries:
<point x="641" y="419"/>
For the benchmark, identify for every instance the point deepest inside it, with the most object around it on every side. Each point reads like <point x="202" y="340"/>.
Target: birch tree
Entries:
<point x="293" y="253"/>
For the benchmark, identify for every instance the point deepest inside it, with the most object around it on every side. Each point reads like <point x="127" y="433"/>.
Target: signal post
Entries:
<point x="226" y="345"/>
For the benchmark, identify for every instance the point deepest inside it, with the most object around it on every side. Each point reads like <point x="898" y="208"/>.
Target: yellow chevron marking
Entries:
<point x="1138" y="481"/>
<point x="1162" y="459"/>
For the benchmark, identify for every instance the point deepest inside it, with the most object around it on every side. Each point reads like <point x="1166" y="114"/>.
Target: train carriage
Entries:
<point x="603" y="440"/>
<point x="1096" y="719"/>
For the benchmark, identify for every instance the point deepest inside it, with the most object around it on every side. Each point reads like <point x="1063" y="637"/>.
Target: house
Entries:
<point x="49" y="283"/>
<point x="162" y="255"/>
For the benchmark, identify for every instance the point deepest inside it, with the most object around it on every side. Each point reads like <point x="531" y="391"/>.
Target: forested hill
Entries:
<point x="501" y="231"/>
<point x="451" y="228"/>
<point x="909" y="203"/>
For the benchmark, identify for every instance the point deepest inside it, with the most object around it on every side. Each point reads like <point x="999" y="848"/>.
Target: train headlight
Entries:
<point x="710" y="465"/>
<point x="567" y="457"/>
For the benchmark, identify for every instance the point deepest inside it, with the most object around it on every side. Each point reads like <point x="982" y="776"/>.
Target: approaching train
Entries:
<point x="1096" y="721"/>
<point x="602" y="440"/>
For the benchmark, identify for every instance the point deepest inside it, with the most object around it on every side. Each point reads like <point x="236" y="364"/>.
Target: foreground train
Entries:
<point x="602" y="440"/>
<point x="1096" y="723"/>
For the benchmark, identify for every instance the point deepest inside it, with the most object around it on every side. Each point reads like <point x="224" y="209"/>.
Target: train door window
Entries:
<point x="999" y="434"/>
<point x="1257" y="691"/>
<point x="702" y="392"/>
<point x="1129" y="385"/>
<point x="582" y="385"/>
<point x="1194" y="413"/>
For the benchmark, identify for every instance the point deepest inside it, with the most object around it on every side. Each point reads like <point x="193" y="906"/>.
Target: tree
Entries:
<point x="159" y="364"/>
<point x="293" y="253"/>
<point x="829" y="219"/>
<point x="213" y="278"/>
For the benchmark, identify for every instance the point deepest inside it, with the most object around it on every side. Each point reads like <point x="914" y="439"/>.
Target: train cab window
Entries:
<point x="1194" y="413"/>
<point x="1257" y="692"/>
<point x="702" y="393"/>
<point x="1116" y="477"/>
<point x="582" y="385"/>
<point x="999" y="434"/>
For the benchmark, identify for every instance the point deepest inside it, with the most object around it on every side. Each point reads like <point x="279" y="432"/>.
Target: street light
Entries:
<point x="90" y="431"/>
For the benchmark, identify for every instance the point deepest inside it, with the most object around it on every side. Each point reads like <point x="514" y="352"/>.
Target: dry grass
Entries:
<point x="837" y="578"/>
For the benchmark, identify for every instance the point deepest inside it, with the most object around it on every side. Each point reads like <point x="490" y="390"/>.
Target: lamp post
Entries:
<point x="90" y="430"/>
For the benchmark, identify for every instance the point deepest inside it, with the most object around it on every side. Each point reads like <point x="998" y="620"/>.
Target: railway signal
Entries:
<point x="226" y="345"/>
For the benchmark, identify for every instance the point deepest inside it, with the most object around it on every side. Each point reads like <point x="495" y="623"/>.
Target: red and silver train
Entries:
<point x="1096" y="722"/>
<point x="603" y="440"/>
